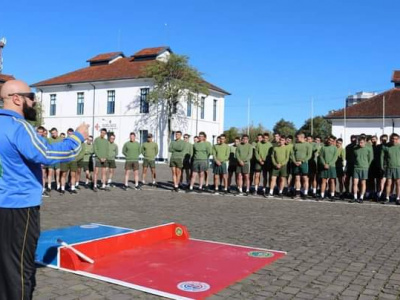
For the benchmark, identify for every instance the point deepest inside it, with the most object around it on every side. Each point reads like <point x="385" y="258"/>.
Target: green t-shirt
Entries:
<point x="301" y="152"/>
<point x="201" y="151"/>
<point x="52" y="140"/>
<point x="177" y="149"/>
<point x="221" y="152"/>
<point x="112" y="151"/>
<point x="263" y="151"/>
<point x="363" y="157"/>
<point x="328" y="155"/>
<point x="280" y="155"/>
<point x="131" y="151"/>
<point x="88" y="152"/>
<point x="101" y="146"/>
<point x="149" y="150"/>
<point x="390" y="156"/>
<point x="244" y="152"/>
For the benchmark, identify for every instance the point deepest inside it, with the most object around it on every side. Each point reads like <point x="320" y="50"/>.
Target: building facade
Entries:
<point x="112" y="94"/>
<point x="377" y="115"/>
<point x="358" y="97"/>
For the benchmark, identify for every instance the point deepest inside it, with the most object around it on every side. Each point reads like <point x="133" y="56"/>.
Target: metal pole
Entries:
<point x="248" y="116"/>
<point x="383" y="115"/>
<point x="94" y="101"/>
<point x="312" y="116"/>
<point x="344" y="123"/>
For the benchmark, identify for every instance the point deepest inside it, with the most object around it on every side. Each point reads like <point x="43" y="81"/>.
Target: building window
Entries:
<point x="110" y="102"/>
<point x="215" y="110"/>
<point x="143" y="136"/>
<point x="174" y="107"/>
<point x="144" y="101"/>
<point x="80" y="107"/>
<point x="202" y="107"/>
<point x="53" y="99"/>
<point x="189" y="106"/>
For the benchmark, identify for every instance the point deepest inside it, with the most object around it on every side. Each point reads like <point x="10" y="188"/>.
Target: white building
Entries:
<point x="359" y="97"/>
<point x="111" y="94"/>
<point x="377" y="115"/>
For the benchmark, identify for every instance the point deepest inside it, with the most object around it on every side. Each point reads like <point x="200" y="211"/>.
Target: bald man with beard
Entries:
<point x="22" y="153"/>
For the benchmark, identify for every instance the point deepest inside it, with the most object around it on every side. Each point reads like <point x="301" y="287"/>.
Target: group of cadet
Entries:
<point x="271" y="166"/>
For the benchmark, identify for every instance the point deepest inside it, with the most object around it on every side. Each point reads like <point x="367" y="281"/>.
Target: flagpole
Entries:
<point x="383" y="115"/>
<point x="248" y="116"/>
<point x="312" y="116"/>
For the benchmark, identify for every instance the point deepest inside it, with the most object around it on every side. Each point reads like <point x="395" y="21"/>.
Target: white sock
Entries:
<point x="323" y="195"/>
<point x="109" y="181"/>
<point x="73" y="188"/>
<point x="154" y="182"/>
<point x="256" y="188"/>
<point x="63" y="188"/>
<point x="305" y="192"/>
<point x="43" y="189"/>
<point x="49" y="186"/>
<point x="280" y="191"/>
<point x="126" y="183"/>
<point x="77" y="184"/>
<point x="271" y="192"/>
<point x="361" y="196"/>
<point x="314" y="190"/>
<point x="58" y="186"/>
<point x="333" y="194"/>
<point x="104" y="185"/>
<point x="240" y="190"/>
<point x="191" y="188"/>
<point x="355" y="196"/>
<point x="379" y="194"/>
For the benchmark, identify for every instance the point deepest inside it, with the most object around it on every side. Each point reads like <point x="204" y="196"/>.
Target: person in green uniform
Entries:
<point x="262" y="152"/>
<point x="391" y="158"/>
<point x="149" y="151"/>
<point x="232" y="162"/>
<point x="177" y="149"/>
<point x="112" y="155"/>
<point x="328" y="155"/>
<point x="277" y="139"/>
<point x="41" y="131"/>
<point x="301" y="154"/>
<point x="340" y="164"/>
<point x="289" y="148"/>
<point x="382" y="168"/>
<point x="85" y="164"/>
<point x="187" y="160"/>
<point x="101" y="149"/>
<point x="131" y="151"/>
<point x="244" y="152"/>
<point x="54" y="170"/>
<point x="71" y="168"/>
<point x="220" y="155"/>
<point x="279" y="158"/>
<point x="201" y="153"/>
<point x="362" y="157"/>
<point x="209" y="146"/>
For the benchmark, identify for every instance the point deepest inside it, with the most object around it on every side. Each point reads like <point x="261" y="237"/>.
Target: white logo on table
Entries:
<point x="193" y="286"/>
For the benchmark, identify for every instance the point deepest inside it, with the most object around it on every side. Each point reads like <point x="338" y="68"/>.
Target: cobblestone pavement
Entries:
<point x="335" y="250"/>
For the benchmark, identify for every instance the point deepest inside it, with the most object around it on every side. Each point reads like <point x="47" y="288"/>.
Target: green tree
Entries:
<point x="253" y="131"/>
<point x="39" y="115"/>
<point x="284" y="127"/>
<point x="231" y="133"/>
<point x="174" y="80"/>
<point x="321" y="127"/>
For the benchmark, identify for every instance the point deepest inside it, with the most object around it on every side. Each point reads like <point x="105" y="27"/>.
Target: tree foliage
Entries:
<point x="174" y="80"/>
<point x="321" y="127"/>
<point x="231" y="133"/>
<point x="284" y="127"/>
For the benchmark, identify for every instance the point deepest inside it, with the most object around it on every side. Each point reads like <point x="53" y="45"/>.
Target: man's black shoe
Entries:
<point x="73" y="192"/>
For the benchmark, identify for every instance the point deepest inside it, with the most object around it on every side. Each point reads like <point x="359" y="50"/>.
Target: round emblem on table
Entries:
<point x="178" y="231"/>
<point x="89" y="226"/>
<point x="260" y="254"/>
<point x="193" y="286"/>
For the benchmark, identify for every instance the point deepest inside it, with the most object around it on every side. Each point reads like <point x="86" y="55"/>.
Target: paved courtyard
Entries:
<point x="335" y="250"/>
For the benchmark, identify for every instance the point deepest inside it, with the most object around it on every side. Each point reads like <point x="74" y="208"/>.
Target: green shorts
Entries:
<point x="282" y="172"/>
<point x="85" y="166"/>
<point x="392" y="173"/>
<point x="245" y="169"/>
<point x="300" y="170"/>
<point x="258" y="167"/>
<point x="221" y="169"/>
<point x="100" y="164"/>
<point x="328" y="173"/>
<point x="54" y="167"/>
<point x="80" y="163"/>
<point x="69" y="166"/>
<point x="360" y="174"/>
<point x="132" y="165"/>
<point x="111" y="164"/>
<point x="176" y="163"/>
<point x="200" y="165"/>
<point x="149" y="163"/>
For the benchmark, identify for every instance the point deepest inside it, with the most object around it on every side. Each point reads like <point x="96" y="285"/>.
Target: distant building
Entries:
<point x="374" y="116"/>
<point x="111" y="93"/>
<point x="358" y="97"/>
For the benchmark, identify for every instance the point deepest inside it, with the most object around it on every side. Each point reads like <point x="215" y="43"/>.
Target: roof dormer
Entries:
<point x="159" y="53"/>
<point x="105" y="58"/>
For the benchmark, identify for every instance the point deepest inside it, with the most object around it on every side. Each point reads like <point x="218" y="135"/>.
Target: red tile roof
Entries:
<point x="123" y="68"/>
<point x="105" y="57"/>
<point x="151" y="51"/>
<point x="396" y="76"/>
<point x="4" y="77"/>
<point x="373" y="107"/>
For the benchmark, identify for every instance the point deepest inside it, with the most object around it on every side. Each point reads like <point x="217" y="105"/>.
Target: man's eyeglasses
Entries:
<point x="30" y="96"/>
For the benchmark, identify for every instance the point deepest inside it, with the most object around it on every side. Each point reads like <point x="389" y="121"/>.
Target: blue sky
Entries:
<point x="280" y="54"/>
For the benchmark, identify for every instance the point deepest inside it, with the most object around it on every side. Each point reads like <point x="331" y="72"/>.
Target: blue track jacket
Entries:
<point x="22" y="152"/>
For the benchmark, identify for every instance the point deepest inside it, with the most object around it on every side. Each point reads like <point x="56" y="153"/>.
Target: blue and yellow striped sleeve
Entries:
<point x="36" y="149"/>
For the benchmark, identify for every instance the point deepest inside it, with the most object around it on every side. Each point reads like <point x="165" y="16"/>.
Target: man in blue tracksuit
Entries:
<point x="22" y="152"/>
